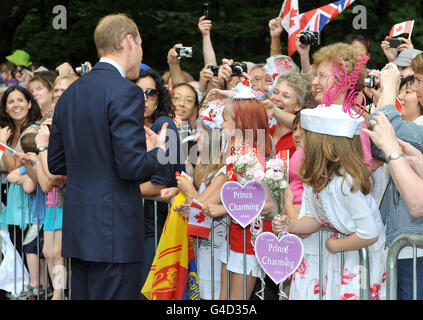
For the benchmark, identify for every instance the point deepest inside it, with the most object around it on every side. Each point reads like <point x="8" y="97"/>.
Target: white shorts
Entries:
<point x="236" y="262"/>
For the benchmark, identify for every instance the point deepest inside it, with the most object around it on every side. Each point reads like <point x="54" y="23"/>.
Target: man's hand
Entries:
<point x="154" y="140"/>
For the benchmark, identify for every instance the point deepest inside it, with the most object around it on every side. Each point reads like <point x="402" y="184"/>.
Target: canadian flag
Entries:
<point x="3" y="148"/>
<point x="398" y="105"/>
<point x="199" y="224"/>
<point x="312" y="20"/>
<point x="290" y="20"/>
<point x="400" y="28"/>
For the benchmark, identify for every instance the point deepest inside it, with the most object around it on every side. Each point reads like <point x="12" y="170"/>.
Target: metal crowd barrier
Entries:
<point x="363" y="266"/>
<point x="156" y="199"/>
<point x="18" y="244"/>
<point x="19" y="286"/>
<point x="403" y="240"/>
<point x="363" y="257"/>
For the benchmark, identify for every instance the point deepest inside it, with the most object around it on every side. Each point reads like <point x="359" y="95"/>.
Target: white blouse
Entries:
<point x="344" y="210"/>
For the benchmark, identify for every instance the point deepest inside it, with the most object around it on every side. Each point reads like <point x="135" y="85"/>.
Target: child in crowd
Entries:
<point x="53" y="214"/>
<point x="337" y="195"/>
<point x="33" y="242"/>
<point x="244" y="114"/>
<point x="209" y="175"/>
<point x="304" y="284"/>
<point x="8" y="70"/>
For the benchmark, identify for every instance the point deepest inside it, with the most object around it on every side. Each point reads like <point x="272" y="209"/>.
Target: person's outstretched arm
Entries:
<point x="275" y="29"/>
<point x="173" y="60"/>
<point x="208" y="52"/>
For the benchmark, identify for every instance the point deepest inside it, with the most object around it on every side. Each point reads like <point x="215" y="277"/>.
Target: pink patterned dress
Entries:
<point x="352" y="212"/>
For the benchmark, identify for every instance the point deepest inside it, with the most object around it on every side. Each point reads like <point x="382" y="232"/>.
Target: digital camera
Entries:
<point x="214" y="69"/>
<point x="82" y="69"/>
<point x="184" y="52"/>
<point x="369" y="82"/>
<point x="238" y="68"/>
<point x="311" y="38"/>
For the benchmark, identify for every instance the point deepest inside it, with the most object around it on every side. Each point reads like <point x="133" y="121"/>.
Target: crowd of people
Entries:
<point x="353" y="134"/>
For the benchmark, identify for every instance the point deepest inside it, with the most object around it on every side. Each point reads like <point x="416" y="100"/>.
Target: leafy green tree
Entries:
<point x="239" y="29"/>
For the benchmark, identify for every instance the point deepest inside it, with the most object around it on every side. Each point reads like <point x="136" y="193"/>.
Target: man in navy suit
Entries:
<point x="99" y="142"/>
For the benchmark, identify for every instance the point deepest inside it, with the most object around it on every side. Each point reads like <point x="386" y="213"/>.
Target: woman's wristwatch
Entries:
<point x="394" y="156"/>
<point x="42" y="148"/>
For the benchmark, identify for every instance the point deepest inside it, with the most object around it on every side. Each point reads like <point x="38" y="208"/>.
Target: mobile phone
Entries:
<point x="206" y="10"/>
<point x="394" y="42"/>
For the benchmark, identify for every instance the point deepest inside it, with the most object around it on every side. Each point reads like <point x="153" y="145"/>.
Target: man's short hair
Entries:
<point x="417" y="63"/>
<point x="111" y="30"/>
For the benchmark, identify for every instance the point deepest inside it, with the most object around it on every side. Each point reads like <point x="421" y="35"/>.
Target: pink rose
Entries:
<point x="277" y="175"/>
<point x="231" y="159"/>
<point x="258" y="175"/>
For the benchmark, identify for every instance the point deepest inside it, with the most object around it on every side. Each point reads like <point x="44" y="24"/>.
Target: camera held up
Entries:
<point x="214" y="69"/>
<point x="311" y="38"/>
<point x="184" y="52"/>
<point x="238" y="68"/>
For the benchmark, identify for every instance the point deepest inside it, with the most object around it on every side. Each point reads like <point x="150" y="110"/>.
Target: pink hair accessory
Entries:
<point x="342" y="82"/>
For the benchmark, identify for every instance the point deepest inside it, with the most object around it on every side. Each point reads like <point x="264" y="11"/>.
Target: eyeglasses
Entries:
<point x="320" y="75"/>
<point x="185" y="100"/>
<point x="151" y="94"/>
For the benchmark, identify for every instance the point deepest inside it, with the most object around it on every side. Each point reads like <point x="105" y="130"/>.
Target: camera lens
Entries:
<point x="306" y="38"/>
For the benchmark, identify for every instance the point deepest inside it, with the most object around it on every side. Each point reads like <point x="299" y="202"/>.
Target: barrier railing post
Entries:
<point x="403" y="240"/>
<point x="212" y="259"/>
<point x="364" y="274"/>
<point x="155" y="226"/>
<point x="320" y="264"/>
<point x="244" y="263"/>
<point x="228" y="274"/>
<point x="363" y="263"/>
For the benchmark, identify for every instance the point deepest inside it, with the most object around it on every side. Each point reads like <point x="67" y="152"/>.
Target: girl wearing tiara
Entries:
<point x="337" y="195"/>
<point x="242" y="114"/>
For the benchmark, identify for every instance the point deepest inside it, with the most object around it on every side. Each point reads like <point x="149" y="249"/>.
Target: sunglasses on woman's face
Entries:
<point x="151" y="94"/>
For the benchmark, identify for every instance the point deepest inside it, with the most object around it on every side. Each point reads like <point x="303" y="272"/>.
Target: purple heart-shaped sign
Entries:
<point x="279" y="258"/>
<point x="243" y="203"/>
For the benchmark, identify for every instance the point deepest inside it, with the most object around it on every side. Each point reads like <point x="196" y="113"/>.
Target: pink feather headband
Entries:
<point x="347" y="83"/>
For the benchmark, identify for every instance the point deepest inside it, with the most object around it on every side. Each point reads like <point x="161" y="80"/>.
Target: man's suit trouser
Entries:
<point x="105" y="281"/>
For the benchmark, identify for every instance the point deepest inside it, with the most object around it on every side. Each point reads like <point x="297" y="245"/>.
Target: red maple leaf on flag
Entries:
<point x="294" y="13"/>
<point x="399" y="28"/>
<point x="200" y="217"/>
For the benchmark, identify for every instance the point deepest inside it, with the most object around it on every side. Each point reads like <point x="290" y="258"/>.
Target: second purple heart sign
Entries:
<point x="279" y="258"/>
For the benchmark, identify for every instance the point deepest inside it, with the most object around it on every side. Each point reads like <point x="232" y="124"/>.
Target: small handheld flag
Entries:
<point x="3" y="148"/>
<point x="403" y="27"/>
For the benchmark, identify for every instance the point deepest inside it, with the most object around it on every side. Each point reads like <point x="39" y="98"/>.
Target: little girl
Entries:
<point x="209" y="175"/>
<point x="337" y="194"/>
<point x="241" y="116"/>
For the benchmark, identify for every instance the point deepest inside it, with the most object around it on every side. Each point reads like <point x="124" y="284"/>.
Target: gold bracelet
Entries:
<point x="187" y="194"/>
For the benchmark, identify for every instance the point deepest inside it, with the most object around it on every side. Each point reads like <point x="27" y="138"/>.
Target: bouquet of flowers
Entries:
<point x="276" y="177"/>
<point x="246" y="163"/>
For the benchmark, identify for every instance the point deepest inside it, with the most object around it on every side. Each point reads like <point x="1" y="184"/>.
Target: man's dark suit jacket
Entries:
<point x="98" y="141"/>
